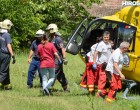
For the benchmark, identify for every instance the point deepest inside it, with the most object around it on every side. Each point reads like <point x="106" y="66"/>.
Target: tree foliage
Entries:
<point x="30" y="15"/>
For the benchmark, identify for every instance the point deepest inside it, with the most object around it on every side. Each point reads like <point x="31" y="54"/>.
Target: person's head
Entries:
<point x="44" y="39"/>
<point x="39" y="34"/>
<point x="124" y="46"/>
<point x="52" y="29"/>
<point x="7" y="24"/>
<point x="106" y="36"/>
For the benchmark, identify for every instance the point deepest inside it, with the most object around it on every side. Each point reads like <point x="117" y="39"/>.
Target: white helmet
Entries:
<point x="7" y="24"/>
<point x="39" y="33"/>
<point x="52" y="28"/>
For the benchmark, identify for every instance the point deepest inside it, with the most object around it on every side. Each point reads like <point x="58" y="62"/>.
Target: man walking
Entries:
<point x="113" y="71"/>
<point x="35" y="63"/>
<point x="103" y="51"/>
<point x="59" y="45"/>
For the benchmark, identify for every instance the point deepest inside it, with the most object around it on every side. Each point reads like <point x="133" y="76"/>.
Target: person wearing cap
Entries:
<point x="58" y="43"/>
<point x="6" y="53"/>
<point x="35" y="63"/>
<point x="47" y="53"/>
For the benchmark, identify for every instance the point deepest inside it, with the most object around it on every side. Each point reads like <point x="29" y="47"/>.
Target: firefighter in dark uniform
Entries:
<point x="6" y="53"/>
<point x="35" y="63"/>
<point x="58" y="42"/>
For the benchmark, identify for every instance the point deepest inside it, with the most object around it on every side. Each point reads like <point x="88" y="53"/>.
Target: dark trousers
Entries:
<point x="4" y="68"/>
<point x="60" y="76"/>
<point x="34" y="66"/>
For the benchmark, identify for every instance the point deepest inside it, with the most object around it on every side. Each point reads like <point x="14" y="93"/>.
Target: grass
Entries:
<point x="21" y="98"/>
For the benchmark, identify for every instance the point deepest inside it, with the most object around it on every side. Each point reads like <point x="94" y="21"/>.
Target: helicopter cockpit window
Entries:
<point x="126" y="33"/>
<point x="95" y="30"/>
<point x="79" y="36"/>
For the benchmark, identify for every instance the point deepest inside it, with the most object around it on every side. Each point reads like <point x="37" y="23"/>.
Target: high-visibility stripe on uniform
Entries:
<point x="85" y="86"/>
<point x="109" y="100"/>
<point x="91" y="86"/>
<point x="91" y="89"/>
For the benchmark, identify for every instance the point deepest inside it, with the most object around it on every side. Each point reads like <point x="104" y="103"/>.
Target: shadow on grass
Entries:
<point x="60" y="93"/>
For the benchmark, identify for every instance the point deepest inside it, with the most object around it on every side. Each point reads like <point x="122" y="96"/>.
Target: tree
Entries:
<point x="30" y="15"/>
<point x="23" y="15"/>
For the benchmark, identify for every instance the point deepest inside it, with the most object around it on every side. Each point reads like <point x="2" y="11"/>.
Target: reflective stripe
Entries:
<point x="90" y="85"/>
<point x="110" y="100"/>
<point x="8" y="85"/>
<point x="83" y="85"/>
<point x="91" y="90"/>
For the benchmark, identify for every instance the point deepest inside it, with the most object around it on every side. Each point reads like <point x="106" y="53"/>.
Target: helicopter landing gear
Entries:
<point x="129" y="85"/>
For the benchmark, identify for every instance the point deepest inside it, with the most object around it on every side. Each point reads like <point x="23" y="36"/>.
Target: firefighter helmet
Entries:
<point x="7" y="24"/>
<point x="39" y="33"/>
<point x="52" y="28"/>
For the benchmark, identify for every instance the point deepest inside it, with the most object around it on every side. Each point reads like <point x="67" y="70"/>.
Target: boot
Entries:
<point x="7" y="87"/>
<point x="66" y="89"/>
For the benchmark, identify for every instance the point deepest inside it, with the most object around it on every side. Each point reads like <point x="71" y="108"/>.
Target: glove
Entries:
<point x="94" y="66"/>
<point x="59" y="62"/>
<point x="13" y="60"/>
<point x="65" y="61"/>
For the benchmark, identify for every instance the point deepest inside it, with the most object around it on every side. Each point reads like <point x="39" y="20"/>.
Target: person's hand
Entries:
<point x="59" y="62"/>
<point x="65" y="61"/>
<point x="94" y="66"/>
<point x="122" y="76"/>
<point x="29" y="60"/>
<point x="13" y="59"/>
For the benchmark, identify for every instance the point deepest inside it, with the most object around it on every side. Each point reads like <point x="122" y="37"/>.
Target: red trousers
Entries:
<point x="100" y="78"/>
<point x="88" y="77"/>
<point x="115" y="84"/>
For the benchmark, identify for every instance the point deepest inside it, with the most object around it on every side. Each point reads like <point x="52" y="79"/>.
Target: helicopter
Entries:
<point x="124" y="25"/>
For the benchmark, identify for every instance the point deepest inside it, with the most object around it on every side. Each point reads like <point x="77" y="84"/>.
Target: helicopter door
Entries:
<point x="127" y="33"/>
<point x="74" y="43"/>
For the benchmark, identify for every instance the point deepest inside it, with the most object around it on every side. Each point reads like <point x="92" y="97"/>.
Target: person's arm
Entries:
<point x="65" y="61"/>
<point x="10" y="49"/>
<point x="60" y="44"/>
<point x="95" y="56"/>
<point x="57" y="56"/>
<point x="115" y="64"/>
<point x="63" y="52"/>
<point x="98" y="49"/>
<point x="30" y="56"/>
<point x="11" y="53"/>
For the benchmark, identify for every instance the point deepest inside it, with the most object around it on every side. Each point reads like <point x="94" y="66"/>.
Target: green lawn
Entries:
<point x="21" y="98"/>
